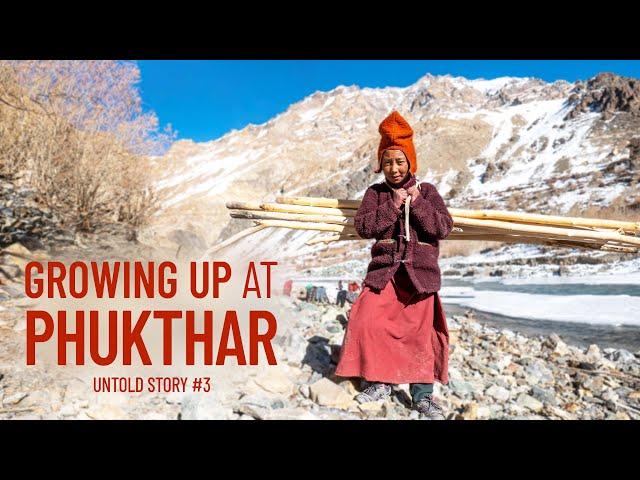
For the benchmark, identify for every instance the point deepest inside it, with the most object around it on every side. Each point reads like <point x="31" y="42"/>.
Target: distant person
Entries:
<point x="286" y="290"/>
<point x="352" y="294"/>
<point x="314" y="294"/>
<point x="321" y="295"/>
<point x="342" y="295"/>
<point x="351" y="297"/>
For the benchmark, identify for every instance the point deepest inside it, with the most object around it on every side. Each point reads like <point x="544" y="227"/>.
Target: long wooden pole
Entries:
<point x="322" y="227"/>
<point x="496" y="238"/>
<point x="559" y="232"/>
<point x="285" y="208"/>
<point x="483" y="214"/>
<point x="320" y="202"/>
<point x="302" y="217"/>
<point x="546" y="219"/>
<point x="234" y="238"/>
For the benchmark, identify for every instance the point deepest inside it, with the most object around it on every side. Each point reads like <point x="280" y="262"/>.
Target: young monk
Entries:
<point x="397" y="331"/>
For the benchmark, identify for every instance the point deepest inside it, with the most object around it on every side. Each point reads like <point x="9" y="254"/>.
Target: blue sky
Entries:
<point x="203" y="100"/>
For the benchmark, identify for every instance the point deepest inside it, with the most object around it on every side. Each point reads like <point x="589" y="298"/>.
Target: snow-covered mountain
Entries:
<point x="514" y="143"/>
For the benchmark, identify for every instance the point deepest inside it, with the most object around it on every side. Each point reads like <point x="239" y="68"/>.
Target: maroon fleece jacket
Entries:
<point x="429" y="222"/>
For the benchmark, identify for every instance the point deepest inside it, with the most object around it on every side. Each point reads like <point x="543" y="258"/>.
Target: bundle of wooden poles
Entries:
<point x="336" y="217"/>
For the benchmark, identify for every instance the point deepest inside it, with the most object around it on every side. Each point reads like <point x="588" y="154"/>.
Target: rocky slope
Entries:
<point x="24" y="220"/>
<point x="514" y="143"/>
<point x="494" y="374"/>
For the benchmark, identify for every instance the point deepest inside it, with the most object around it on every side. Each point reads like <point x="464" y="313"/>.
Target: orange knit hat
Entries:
<point x="397" y="134"/>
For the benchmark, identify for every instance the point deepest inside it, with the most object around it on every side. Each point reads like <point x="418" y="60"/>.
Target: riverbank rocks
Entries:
<point x="203" y="407"/>
<point x="497" y="392"/>
<point x="593" y="354"/>
<point x="494" y="373"/>
<point x="326" y="393"/>
<point x="557" y="345"/>
<point x="275" y="381"/>
<point x="529" y="402"/>
<point x="470" y="412"/>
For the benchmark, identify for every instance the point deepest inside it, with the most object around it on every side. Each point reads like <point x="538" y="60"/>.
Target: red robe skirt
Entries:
<point x="396" y="336"/>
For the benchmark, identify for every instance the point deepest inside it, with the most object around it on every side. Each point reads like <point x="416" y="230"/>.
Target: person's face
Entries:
<point x="394" y="165"/>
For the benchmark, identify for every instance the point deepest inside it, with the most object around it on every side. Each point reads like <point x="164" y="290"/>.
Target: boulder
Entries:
<point x="326" y="393"/>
